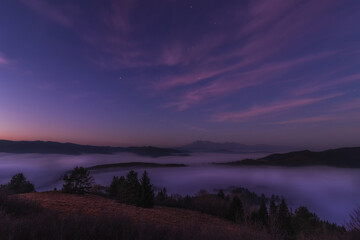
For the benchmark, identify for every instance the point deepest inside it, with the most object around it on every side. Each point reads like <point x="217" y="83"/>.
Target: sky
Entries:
<point x="168" y="72"/>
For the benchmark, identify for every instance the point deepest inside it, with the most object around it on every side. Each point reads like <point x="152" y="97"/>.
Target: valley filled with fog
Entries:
<point x="330" y="192"/>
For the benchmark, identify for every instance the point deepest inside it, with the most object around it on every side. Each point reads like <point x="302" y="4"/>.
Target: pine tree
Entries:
<point x="79" y="181"/>
<point x="305" y="221"/>
<point x="162" y="195"/>
<point x="116" y="186"/>
<point x="121" y="189"/>
<point x="284" y="217"/>
<point x="131" y="193"/>
<point x="147" y="193"/>
<point x="263" y="213"/>
<point x="221" y="194"/>
<point x="272" y="208"/>
<point x="236" y="211"/>
<point x="113" y="189"/>
<point x="273" y="214"/>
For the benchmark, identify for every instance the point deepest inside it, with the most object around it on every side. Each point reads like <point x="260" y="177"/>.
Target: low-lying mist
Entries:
<point x="330" y="192"/>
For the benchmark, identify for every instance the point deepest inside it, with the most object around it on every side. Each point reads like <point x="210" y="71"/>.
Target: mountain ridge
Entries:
<point x="232" y="147"/>
<point x="50" y="147"/>
<point x="340" y="157"/>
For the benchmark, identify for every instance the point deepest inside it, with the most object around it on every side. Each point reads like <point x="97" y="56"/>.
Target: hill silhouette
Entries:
<point x="232" y="147"/>
<point x="341" y="157"/>
<point x="49" y="147"/>
<point x="134" y="164"/>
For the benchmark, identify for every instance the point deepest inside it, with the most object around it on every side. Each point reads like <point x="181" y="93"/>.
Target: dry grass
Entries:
<point x="172" y="218"/>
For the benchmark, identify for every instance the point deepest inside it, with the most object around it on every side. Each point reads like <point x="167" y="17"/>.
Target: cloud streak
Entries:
<point x="315" y="119"/>
<point x="320" y="119"/>
<point x="322" y="86"/>
<point x="236" y="82"/>
<point x="348" y="106"/>
<point x="204" y="54"/>
<point x="270" y="109"/>
<point x="269" y="31"/>
<point x="50" y="11"/>
<point x="5" y="61"/>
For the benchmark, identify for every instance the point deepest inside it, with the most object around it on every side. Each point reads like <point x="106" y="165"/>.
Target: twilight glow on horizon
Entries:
<point x="168" y="72"/>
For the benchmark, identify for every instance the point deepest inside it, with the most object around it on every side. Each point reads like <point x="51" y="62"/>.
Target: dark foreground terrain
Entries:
<point x="56" y="215"/>
<point x="89" y="214"/>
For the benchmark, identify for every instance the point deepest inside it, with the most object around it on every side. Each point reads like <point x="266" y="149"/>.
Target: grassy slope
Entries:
<point x="170" y="217"/>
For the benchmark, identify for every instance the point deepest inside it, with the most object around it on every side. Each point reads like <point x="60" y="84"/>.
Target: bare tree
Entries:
<point x="354" y="223"/>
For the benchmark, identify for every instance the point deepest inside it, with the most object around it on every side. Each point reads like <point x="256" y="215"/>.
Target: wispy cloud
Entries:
<point x="5" y="61"/>
<point x="228" y="84"/>
<point x="307" y="120"/>
<point x="321" y="118"/>
<point x="45" y="86"/>
<point x="338" y="112"/>
<point x="325" y="85"/>
<point x="195" y="128"/>
<point x="351" y="105"/>
<point x="269" y="109"/>
<point x="50" y="11"/>
<point x="115" y="30"/>
<point x="79" y="95"/>
<point x="192" y="64"/>
<point x="269" y="31"/>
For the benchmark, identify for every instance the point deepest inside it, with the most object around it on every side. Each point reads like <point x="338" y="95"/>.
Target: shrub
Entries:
<point x="99" y="190"/>
<point x="19" y="184"/>
<point x="79" y="181"/>
<point x="161" y="196"/>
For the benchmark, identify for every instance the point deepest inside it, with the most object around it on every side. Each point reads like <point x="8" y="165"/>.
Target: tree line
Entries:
<point x="127" y="189"/>
<point x="239" y="205"/>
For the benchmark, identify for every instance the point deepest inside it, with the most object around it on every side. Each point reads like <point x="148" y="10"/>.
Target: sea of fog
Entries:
<point x="330" y="192"/>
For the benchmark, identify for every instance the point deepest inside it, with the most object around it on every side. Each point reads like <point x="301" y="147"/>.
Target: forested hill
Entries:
<point x="75" y="149"/>
<point x="341" y="157"/>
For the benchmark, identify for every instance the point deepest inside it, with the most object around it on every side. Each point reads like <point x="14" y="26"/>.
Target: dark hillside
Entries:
<point x="341" y="157"/>
<point x="75" y="149"/>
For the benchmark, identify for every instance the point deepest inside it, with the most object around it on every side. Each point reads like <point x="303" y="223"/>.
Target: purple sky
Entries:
<point x="169" y="72"/>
